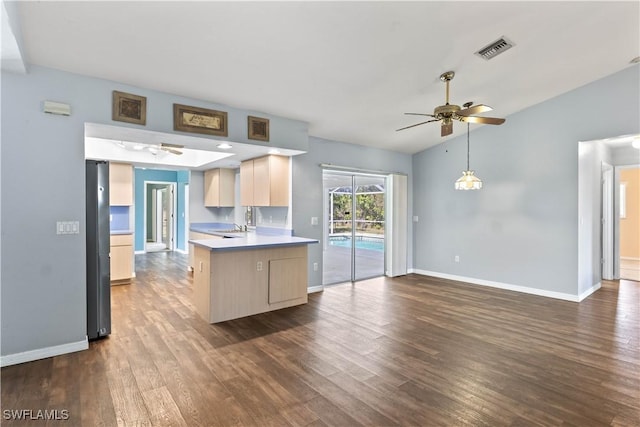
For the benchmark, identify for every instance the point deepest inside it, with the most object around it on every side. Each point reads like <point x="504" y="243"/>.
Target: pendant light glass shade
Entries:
<point x="468" y="181"/>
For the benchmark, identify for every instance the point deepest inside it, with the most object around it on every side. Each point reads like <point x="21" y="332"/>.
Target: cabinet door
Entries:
<point x="261" y="182"/>
<point x="287" y="279"/>
<point x="219" y="187"/>
<point x="227" y="189"/>
<point x="246" y="183"/>
<point x="279" y="180"/>
<point x="120" y="184"/>
<point x="121" y="262"/>
<point x="212" y="187"/>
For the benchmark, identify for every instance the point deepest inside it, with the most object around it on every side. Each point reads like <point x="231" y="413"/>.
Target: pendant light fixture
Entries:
<point x="468" y="181"/>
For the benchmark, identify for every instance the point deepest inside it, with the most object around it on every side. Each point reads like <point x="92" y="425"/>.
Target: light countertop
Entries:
<point x="115" y="232"/>
<point x="251" y="240"/>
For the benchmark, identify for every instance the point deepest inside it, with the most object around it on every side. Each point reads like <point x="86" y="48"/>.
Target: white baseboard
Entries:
<point x="314" y="289"/>
<point x="140" y="252"/>
<point x="499" y="285"/>
<point x="43" y="353"/>
<point x="589" y="291"/>
<point x="629" y="258"/>
<point x="182" y="251"/>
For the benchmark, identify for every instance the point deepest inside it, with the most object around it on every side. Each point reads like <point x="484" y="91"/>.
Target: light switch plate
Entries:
<point x="68" y="227"/>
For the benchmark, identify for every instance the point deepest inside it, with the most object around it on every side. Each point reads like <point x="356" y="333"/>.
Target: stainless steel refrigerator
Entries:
<point x="98" y="247"/>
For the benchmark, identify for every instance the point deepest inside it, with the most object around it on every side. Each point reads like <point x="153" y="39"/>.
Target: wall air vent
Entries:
<point x="494" y="49"/>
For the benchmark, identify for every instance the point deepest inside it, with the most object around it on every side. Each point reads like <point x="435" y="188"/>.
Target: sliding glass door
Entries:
<point x="367" y="239"/>
<point x="354" y="231"/>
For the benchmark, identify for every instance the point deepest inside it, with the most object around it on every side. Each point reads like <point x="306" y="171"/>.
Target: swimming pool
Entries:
<point x="370" y="243"/>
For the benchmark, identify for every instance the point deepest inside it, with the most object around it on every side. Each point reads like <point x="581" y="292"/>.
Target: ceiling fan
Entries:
<point x="151" y="148"/>
<point x="447" y="113"/>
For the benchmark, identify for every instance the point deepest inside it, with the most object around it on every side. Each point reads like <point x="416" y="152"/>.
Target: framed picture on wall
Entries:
<point x="129" y="108"/>
<point x="199" y="120"/>
<point x="258" y="128"/>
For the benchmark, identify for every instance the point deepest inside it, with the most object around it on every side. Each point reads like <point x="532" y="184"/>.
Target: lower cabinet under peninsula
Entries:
<point x="238" y="282"/>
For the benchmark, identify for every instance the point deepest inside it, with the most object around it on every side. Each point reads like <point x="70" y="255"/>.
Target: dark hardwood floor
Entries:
<point x="406" y="351"/>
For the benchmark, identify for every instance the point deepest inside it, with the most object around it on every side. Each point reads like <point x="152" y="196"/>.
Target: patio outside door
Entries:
<point x="354" y="235"/>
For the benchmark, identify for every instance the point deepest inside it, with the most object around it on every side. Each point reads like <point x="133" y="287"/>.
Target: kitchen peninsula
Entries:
<point x="238" y="274"/>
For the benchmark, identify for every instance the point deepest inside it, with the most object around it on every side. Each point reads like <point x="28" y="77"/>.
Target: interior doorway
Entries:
<point x="354" y="226"/>
<point x="629" y="222"/>
<point x="607" y="223"/>
<point x="160" y="216"/>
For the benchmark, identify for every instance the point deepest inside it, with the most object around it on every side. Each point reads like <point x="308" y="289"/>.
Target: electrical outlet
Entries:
<point x="259" y="266"/>
<point x="315" y="266"/>
<point x="314" y="220"/>
<point x="457" y="258"/>
<point x="415" y="218"/>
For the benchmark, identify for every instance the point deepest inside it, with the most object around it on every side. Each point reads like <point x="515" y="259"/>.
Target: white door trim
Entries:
<point x="174" y="206"/>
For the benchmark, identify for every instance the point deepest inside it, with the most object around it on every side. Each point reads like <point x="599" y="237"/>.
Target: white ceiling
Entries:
<point x="349" y="69"/>
<point x="117" y="143"/>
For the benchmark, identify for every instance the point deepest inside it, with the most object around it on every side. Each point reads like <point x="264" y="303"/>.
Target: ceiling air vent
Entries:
<point x="494" y="49"/>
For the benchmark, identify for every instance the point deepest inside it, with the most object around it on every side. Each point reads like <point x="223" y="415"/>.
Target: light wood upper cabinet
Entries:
<point x="219" y="187"/>
<point x="120" y="184"/>
<point x="246" y="183"/>
<point x="265" y="181"/>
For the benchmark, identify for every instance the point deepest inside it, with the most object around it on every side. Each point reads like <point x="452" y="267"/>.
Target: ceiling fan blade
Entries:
<point x="164" y="144"/>
<point x="446" y="129"/>
<point x="484" y="120"/>
<point x="171" y="150"/>
<point x="420" y="114"/>
<point x="476" y="109"/>
<point x="418" y="124"/>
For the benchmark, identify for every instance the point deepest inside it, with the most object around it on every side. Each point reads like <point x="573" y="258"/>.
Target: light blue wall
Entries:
<point x="522" y="227"/>
<point x="43" y="274"/>
<point x="159" y="175"/>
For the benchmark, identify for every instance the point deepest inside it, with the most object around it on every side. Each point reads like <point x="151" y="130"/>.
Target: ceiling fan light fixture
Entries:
<point x="468" y="181"/>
